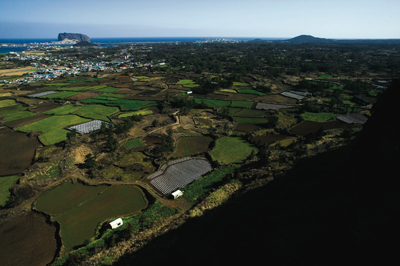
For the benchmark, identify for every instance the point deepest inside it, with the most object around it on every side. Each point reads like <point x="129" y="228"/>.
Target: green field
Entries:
<point x="250" y="91"/>
<point x="79" y="209"/>
<point x="193" y="191"/>
<point x="188" y="83"/>
<point x="318" y="117"/>
<point x="128" y="105"/>
<point x="108" y="89"/>
<point x="132" y="144"/>
<point x="140" y="112"/>
<point x="212" y="103"/>
<point x="62" y="94"/>
<point x="242" y="104"/>
<point x="96" y="111"/>
<point x="53" y="127"/>
<point x="325" y="76"/>
<point x="241" y="84"/>
<point x="63" y="110"/>
<point x="142" y="163"/>
<point x="6" y="183"/>
<point x="6" y="103"/>
<point x="187" y="146"/>
<point x="15" y="112"/>
<point x="231" y="150"/>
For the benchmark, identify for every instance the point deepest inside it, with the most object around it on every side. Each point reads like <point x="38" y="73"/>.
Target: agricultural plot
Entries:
<point x="136" y="165"/>
<point x="231" y="150"/>
<point x="87" y="127"/>
<point x="179" y="173"/>
<point x="269" y="106"/>
<point x="96" y="111"/>
<point x="250" y="113"/>
<point x="187" y="146"/>
<point x="140" y="112"/>
<point x="193" y="191"/>
<point x="53" y="128"/>
<point x="7" y="103"/>
<point x="24" y="121"/>
<point x="242" y="104"/>
<point x="353" y="118"/>
<point x="128" y="105"/>
<point x="82" y="96"/>
<point x="27" y="240"/>
<point x="318" y="117"/>
<point x="212" y="103"/>
<point x="15" y="112"/>
<point x="16" y="152"/>
<point x="250" y="91"/>
<point x="63" y="110"/>
<point x="306" y="127"/>
<point x="82" y="207"/>
<point x="60" y="95"/>
<point x="188" y="83"/>
<point x="42" y="94"/>
<point x="241" y="84"/>
<point x="6" y="183"/>
<point x="250" y="120"/>
<point x="133" y="144"/>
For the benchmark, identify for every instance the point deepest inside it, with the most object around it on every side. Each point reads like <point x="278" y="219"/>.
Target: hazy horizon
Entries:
<point x="342" y="19"/>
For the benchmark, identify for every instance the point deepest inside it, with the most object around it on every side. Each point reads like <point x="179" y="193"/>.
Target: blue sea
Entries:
<point x="111" y="41"/>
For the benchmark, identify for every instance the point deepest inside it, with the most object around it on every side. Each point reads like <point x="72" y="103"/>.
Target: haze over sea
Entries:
<point x="121" y="40"/>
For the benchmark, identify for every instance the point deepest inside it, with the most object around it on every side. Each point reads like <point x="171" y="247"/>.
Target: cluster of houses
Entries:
<point x="57" y="66"/>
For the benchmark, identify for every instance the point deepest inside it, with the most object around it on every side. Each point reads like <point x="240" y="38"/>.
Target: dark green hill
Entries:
<point x="308" y="39"/>
<point x="338" y="207"/>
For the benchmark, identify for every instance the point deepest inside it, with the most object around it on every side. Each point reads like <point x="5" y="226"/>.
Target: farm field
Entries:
<point x="140" y="112"/>
<point x="63" y="94"/>
<point x="136" y="166"/>
<point x="27" y="240"/>
<point x="212" y="103"/>
<point x="16" y="152"/>
<point x="191" y="145"/>
<point x="96" y="111"/>
<point x="318" y="117"/>
<point x="231" y="150"/>
<point x="15" y="112"/>
<point x="6" y="183"/>
<point x="306" y="127"/>
<point x="178" y="173"/>
<point x="133" y="144"/>
<point x="250" y="91"/>
<point x="24" y="121"/>
<point x="6" y="103"/>
<point x="193" y="191"/>
<point x="88" y="207"/>
<point x="53" y="127"/>
<point x="188" y="83"/>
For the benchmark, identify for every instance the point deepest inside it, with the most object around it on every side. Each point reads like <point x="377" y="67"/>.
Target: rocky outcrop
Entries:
<point x="73" y="36"/>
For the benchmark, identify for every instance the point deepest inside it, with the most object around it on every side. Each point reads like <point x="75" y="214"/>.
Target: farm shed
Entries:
<point x="116" y="223"/>
<point x="352" y="118"/>
<point x="293" y="95"/>
<point x="88" y="126"/>
<point x="177" y="194"/>
<point x="179" y="173"/>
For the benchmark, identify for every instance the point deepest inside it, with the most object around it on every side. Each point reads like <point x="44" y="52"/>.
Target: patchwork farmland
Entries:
<point x="233" y="132"/>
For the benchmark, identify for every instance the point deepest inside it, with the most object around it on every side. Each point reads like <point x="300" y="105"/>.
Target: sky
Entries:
<point x="336" y="19"/>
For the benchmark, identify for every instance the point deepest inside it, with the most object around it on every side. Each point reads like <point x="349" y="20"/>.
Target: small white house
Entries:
<point x="189" y="92"/>
<point x="116" y="223"/>
<point x="177" y="194"/>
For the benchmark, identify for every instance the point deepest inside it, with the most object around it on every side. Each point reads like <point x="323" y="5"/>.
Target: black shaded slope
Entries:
<point x="338" y="207"/>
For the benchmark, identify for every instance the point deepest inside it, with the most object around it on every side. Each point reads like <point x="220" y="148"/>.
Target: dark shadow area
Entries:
<point x="340" y="207"/>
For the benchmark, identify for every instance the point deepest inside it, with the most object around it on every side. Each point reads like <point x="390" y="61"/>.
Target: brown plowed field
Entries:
<point x="306" y="127"/>
<point x="27" y="240"/>
<point x="24" y="121"/>
<point x="276" y="98"/>
<point x="43" y="107"/>
<point x="247" y="128"/>
<point x="82" y="96"/>
<point x="16" y="152"/>
<point x="125" y="79"/>
<point x="267" y="139"/>
<point x="83" y="84"/>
